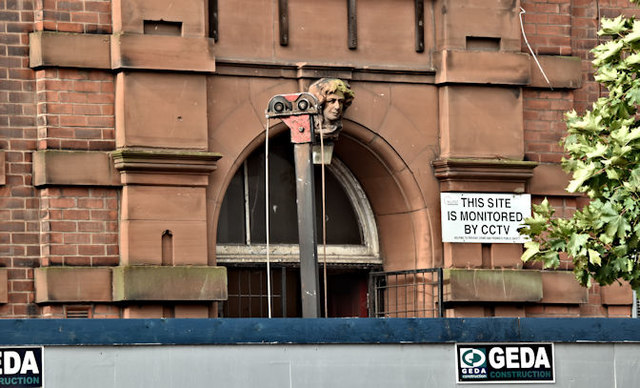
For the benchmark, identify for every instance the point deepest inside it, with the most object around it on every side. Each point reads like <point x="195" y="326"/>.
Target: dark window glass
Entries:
<point x="346" y="297"/>
<point x="248" y="293"/>
<point x="231" y="222"/>
<point x="342" y="224"/>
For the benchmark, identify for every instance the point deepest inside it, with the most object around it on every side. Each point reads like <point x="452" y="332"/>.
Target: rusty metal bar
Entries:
<point x="440" y="294"/>
<point x="283" y="291"/>
<point x="283" y="21"/>
<point x="213" y="20"/>
<point x="419" y="7"/>
<point x="307" y="230"/>
<point x="352" y="24"/>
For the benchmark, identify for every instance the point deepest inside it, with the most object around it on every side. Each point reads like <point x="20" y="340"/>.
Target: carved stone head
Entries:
<point x="334" y="97"/>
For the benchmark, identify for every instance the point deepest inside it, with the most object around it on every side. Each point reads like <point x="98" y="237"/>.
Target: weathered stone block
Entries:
<point x="164" y="203"/>
<point x="159" y="52"/>
<point x="76" y="168"/>
<point x="549" y="179"/>
<point x="164" y="283"/>
<point x="4" y="285"/>
<point x="562" y="72"/>
<point x="161" y="110"/>
<point x="141" y="242"/>
<point x="3" y="173"/>
<point x="72" y="284"/>
<point x="492" y="19"/>
<point x="483" y="285"/>
<point x="562" y="287"/>
<point x="460" y="255"/>
<point x="481" y="122"/>
<point x="130" y="15"/>
<point x="482" y="67"/>
<point x="506" y="255"/>
<point x="617" y="294"/>
<point x="61" y="49"/>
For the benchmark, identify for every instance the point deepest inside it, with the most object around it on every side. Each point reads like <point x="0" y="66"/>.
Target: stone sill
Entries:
<point x="130" y="284"/>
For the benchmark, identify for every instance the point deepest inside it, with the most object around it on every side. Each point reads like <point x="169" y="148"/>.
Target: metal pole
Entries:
<point x="297" y="111"/>
<point x="307" y="230"/>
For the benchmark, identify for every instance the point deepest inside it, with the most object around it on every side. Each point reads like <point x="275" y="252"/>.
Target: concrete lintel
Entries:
<point x="165" y="283"/>
<point x="73" y="168"/>
<point x="487" y="285"/>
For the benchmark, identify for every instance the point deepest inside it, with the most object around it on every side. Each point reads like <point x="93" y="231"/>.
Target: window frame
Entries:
<point x="366" y="254"/>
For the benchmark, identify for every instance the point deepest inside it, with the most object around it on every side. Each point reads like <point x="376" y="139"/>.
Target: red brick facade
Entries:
<point x="73" y="106"/>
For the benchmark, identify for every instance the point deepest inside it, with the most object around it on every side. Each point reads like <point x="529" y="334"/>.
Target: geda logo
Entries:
<point x="473" y="362"/>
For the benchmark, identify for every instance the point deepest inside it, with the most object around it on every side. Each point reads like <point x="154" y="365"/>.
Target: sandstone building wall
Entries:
<point x="117" y="140"/>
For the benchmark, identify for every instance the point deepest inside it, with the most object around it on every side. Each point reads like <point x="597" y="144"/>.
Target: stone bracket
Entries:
<point x="165" y="283"/>
<point x="165" y="167"/>
<point x="483" y="175"/>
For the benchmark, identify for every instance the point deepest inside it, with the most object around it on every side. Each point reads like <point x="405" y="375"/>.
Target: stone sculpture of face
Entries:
<point x="334" y="97"/>
<point x="333" y="107"/>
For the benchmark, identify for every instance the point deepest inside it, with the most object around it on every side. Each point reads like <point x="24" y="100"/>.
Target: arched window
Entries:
<point x="352" y="241"/>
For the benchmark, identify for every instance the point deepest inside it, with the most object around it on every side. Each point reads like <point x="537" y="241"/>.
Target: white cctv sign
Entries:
<point x="483" y="217"/>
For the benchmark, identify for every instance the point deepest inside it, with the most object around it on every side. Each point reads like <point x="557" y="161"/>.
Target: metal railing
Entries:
<point x="404" y="294"/>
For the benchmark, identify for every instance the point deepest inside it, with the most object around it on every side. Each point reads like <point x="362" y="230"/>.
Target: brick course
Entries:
<point x="89" y="17"/>
<point x="19" y="201"/>
<point x="75" y="109"/>
<point x="79" y="226"/>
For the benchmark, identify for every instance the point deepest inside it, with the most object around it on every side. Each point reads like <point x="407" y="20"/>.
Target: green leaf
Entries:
<point x="600" y="150"/>
<point x="594" y="257"/>
<point x="634" y="179"/>
<point x="606" y="51"/>
<point x="612" y="26"/>
<point x="634" y="35"/>
<point x="577" y="244"/>
<point x="634" y="93"/>
<point x="606" y="74"/>
<point x="580" y="176"/>
<point x="632" y="59"/>
<point x="532" y="249"/>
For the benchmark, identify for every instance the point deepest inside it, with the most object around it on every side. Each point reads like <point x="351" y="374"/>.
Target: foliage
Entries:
<point x="603" y="148"/>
